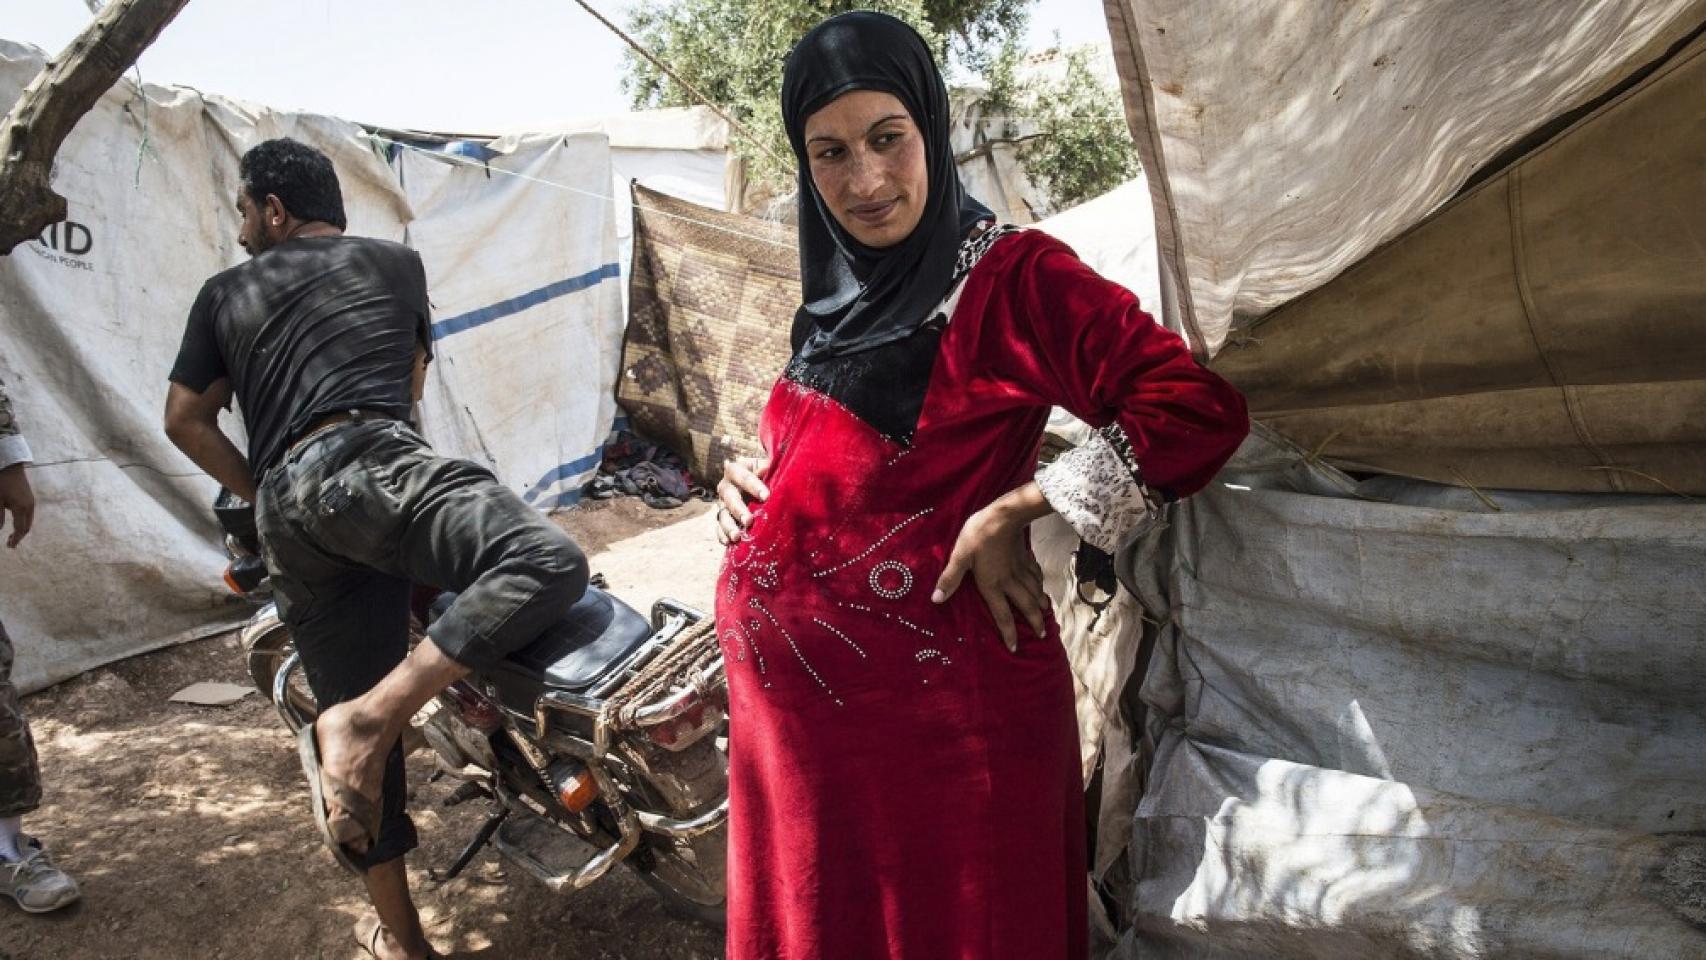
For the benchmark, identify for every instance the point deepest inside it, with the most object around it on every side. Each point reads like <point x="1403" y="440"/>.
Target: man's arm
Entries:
<point x="192" y="424"/>
<point x="16" y="498"/>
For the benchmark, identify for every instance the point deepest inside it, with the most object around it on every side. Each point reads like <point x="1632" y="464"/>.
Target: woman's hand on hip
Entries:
<point x="991" y="546"/>
<point x="742" y="483"/>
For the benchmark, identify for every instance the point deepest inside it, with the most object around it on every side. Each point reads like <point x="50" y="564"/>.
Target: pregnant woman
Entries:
<point x="904" y="754"/>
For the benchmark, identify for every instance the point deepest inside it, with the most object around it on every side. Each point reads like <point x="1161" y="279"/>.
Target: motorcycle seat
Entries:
<point x="590" y="640"/>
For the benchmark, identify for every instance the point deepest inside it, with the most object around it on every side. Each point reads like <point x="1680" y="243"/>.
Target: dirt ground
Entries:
<point x="189" y="830"/>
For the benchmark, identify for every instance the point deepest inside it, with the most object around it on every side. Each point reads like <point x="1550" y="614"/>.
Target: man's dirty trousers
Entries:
<point x="353" y="518"/>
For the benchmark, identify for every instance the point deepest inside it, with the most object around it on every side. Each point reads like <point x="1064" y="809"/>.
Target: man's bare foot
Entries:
<point x="353" y="750"/>
<point x="378" y="940"/>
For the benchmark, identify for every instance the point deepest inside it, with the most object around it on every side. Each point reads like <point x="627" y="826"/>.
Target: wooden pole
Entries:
<point x="67" y="87"/>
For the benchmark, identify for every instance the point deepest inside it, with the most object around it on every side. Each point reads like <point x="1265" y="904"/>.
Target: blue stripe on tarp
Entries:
<point x="468" y="148"/>
<point x="567" y="498"/>
<point x="560" y="473"/>
<point x="533" y="298"/>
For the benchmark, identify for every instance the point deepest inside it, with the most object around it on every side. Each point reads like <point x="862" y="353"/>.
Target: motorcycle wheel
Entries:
<point x="265" y="649"/>
<point x="672" y="879"/>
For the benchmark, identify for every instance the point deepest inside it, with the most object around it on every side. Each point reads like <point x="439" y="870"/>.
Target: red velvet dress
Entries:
<point x="902" y="785"/>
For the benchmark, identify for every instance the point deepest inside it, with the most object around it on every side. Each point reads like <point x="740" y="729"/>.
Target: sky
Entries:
<point x="444" y="65"/>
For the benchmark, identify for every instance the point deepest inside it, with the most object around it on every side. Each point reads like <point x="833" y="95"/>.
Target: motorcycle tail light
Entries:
<point x="575" y="785"/>
<point x="693" y="720"/>
<point x="475" y="710"/>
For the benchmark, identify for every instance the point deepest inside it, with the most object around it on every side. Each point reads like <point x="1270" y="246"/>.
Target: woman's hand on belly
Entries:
<point x="743" y="482"/>
<point x="991" y="546"/>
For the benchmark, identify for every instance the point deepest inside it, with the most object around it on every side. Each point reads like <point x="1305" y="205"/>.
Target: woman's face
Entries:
<point x="867" y="159"/>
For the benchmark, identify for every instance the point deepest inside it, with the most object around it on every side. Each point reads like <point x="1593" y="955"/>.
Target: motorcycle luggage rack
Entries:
<point x="669" y="618"/>
<point x="669" y="649"/>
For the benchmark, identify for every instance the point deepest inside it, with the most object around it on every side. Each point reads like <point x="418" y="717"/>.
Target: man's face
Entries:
<point x="255" y="234"/>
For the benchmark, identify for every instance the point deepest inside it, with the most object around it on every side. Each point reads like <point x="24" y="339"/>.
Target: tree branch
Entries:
<point x="983" y="149"/>
<point x="67" y="87"/>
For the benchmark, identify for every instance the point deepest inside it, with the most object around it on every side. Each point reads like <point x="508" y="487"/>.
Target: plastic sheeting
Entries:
<point x="681" y="151"/>
<point x="1424" y="731"/>
<point x="125" y="556"/>
<point x="527" y="325"/>
<point x="1286" y="140"/>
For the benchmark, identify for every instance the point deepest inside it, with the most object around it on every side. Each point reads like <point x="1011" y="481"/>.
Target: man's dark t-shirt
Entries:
<point x="311" y="327"/>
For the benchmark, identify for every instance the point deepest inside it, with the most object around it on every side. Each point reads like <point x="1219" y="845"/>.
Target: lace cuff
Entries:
<point x="1098" y="490"/>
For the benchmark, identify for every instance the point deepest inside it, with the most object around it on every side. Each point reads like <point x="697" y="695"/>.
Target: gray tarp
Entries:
<point x="1427" y="730"/>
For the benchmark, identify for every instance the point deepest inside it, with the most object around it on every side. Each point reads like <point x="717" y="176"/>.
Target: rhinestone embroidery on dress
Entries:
<point x="844" y="637"/>
<point x="887" y="616"/>
<point x="733" y="640"/>
<point x="756" y="605"/>
<point x="747" y="630"/>
<point x="895" y="592"/>
<point x="820" y="574"/>
<point x="928" y="654"/>
<point x="889" y="579"/>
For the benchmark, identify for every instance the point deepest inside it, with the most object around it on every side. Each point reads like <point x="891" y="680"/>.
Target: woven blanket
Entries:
<point x="711" y="298"/>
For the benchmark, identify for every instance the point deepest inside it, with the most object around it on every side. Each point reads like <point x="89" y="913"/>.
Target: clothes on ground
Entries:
<point x="351" y="519"/>
<point x="312" y="327"/>
<point x="636" y="467"/>
<point x="13" y="449"/>
<point x="20" y="771"/>
<point x="900" y="783"/>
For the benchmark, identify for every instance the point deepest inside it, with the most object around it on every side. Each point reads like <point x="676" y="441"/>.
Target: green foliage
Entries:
<point x="978" y="29"/>
<point x="1082" y="147"/>
<point x="732" y="51"/>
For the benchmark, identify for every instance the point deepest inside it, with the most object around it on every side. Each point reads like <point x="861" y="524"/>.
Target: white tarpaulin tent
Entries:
<point x="125" y="556"/>
<point x="1379" y="716"/>
<point x="681" y="151"/>
<point x="1115" y="234"/>
<point x="524" y="287"/>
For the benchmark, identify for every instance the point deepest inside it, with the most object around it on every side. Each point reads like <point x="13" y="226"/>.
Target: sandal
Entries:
<point x="359" y="816"/>
<point x="369" y="943"/>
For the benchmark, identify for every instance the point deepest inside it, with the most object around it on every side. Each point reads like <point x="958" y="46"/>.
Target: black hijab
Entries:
<point x="858" y="297"/>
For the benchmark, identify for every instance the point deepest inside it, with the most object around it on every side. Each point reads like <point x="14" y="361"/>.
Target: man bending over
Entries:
<point x="323" y="339"/>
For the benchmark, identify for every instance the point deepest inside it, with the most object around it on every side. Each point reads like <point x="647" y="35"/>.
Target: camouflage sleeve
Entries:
<point x="13" y="449"/>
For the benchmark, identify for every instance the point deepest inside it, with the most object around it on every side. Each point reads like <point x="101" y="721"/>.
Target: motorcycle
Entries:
<point x="601" y="742"/>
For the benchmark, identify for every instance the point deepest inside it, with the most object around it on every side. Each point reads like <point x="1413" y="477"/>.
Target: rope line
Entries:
<point x="690" y="88"/>
<point x="486" y="167"/>
<point x="682" y="664"/>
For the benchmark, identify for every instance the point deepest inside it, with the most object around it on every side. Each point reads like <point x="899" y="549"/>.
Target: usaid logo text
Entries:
<point x="67" y="243"/>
